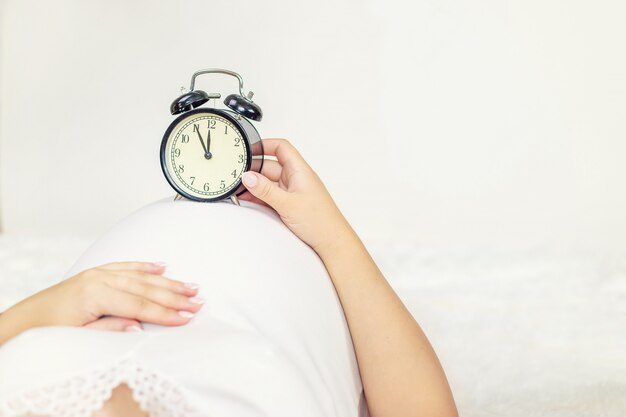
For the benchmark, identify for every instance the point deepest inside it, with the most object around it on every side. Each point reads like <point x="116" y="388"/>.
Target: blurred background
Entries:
<point x="477" y="147"/>
<point x="448" y="122"/>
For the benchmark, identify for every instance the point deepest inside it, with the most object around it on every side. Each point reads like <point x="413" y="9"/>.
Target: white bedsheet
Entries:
<point x="523" y="333"/>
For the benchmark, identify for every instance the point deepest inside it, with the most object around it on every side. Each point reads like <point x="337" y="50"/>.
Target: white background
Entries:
<point x="449" y="122"/>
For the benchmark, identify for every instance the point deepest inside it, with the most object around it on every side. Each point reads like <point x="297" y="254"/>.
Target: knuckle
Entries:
<point x="146" y="291"/>
<point x="169" y="299"/>
<point x="266" y="190"/>
<point x="174" y="285"/>
<point x="145" y="275"/>
<point x="141" y="305"/>
<point x="139" y="266"/>
<point x="122" y="281"/>
<point x="180" y="301"/>
<point x="170" y="316"/>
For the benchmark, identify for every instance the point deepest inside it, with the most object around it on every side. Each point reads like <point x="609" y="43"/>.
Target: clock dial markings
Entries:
<point x="195" y="173"/>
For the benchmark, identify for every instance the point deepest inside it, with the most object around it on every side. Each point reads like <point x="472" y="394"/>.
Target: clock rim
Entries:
<point x="168" y="131"/>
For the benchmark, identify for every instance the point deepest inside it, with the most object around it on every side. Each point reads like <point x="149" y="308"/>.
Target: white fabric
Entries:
<point x="271" y="339"/>
<point x="520" y="332"/>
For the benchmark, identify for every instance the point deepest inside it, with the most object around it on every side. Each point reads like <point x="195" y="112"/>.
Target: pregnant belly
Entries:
<point x="272" y="330"/>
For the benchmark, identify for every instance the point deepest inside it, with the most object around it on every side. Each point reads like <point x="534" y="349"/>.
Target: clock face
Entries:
<point x="205" y="155"/>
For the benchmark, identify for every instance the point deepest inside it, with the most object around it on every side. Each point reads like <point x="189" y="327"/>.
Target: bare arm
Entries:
<point x="400" y="372"/>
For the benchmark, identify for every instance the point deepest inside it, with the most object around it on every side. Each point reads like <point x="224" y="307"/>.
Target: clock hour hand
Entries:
<point x="208" y="144"/>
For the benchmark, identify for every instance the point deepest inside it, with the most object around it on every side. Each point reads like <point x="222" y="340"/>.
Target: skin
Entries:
<point x="400" y="371"/>
<point x="113" y="296"/>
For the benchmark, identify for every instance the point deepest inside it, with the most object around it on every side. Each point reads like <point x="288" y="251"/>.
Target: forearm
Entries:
<point x="20" y="317"/>
<point x="400" y="371"/>
<point x="11" y="324"/>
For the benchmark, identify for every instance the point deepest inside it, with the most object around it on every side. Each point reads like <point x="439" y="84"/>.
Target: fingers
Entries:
<point x="115" y="324"/>
<point x="272" y="169"/>
<point x="149" y="267"/>
<point x="155" y="293"/>
<point x="262" y="188"/>
<point x="143" y="309"/>
<point x="249" y="197"/>
<point x="136" y="295"/>
<point x="120" y="279"/>
<point x="285" y="152"/>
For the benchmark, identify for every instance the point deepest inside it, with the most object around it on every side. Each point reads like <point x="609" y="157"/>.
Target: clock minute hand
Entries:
<point x="201" y="140"/>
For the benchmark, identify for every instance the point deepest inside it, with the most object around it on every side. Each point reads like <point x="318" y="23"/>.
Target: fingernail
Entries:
<point x="196" y="300"/>
<point x="160" y="264"/>
<point x="186" y="314"/>
<point x="191" y="285"/>
<point x="249" y="179"/>
<point x="133" y="329"/>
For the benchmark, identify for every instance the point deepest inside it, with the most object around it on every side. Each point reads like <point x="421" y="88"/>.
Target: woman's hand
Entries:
<point x="389" y="344"/>
<point x="293" y="189"/>
<point x="106" y="297"/>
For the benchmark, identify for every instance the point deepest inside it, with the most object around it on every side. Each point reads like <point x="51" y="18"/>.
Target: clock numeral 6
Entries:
<point x="185" y="139"/>
<point x="177" y="152"/>
<point x="222" y="185"/>
<point x="181" y="168"/>
<point x="206" y="186"/>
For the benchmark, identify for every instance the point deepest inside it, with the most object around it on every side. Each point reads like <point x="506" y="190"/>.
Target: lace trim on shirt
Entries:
<point x="83" y="395"/>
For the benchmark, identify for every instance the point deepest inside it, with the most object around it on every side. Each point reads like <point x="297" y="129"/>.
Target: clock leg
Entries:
<point x="178" y="197"/>
<point x="235" y="200"/>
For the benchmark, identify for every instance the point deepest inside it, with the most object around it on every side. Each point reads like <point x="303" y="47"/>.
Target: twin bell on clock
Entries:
<point x="206" y="150"/>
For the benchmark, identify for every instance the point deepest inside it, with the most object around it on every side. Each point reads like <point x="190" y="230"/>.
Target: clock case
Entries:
<point x="241" y="109"/>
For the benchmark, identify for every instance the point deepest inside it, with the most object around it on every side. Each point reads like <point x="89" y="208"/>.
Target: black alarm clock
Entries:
<point x="206" y="150"/>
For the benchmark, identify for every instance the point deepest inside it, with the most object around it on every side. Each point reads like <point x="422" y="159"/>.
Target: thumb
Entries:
<point x="116" y="324"/>
<point x="262" y="188"/>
